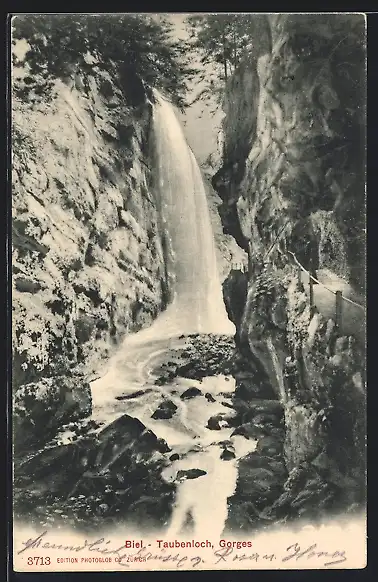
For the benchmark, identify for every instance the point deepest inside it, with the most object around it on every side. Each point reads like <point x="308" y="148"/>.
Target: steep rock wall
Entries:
<point x="292" y="181"/>
<point x="298" y="157"/>
<point x="88" y="262"/>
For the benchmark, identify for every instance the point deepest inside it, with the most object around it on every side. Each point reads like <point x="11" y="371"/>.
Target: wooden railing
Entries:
<point x="339" y="297"/>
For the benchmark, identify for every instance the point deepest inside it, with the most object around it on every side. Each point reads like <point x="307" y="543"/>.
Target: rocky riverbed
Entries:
<point x="203" y="436"/>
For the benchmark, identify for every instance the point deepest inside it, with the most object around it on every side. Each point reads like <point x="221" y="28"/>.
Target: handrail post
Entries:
<point x="249" y="260"/>
<point x="311" y="283"/>
<point x="339" y="309"/>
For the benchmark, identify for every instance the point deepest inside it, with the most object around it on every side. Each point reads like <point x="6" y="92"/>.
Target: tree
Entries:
<point x="222" y="39"/>
<point x="136" y="43"/>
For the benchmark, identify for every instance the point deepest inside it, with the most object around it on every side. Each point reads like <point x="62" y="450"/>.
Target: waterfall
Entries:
<point x="197" y="304"/>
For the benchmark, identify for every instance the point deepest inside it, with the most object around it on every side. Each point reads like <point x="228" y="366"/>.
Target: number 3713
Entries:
<point x="38" y="561"/>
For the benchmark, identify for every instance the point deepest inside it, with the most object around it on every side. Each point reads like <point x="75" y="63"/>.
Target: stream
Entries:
<point x="197" y="307"/>
<point x="164" y="451"/>
<point x="196" y="447"/>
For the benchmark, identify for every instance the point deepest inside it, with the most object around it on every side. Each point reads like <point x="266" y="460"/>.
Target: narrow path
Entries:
<point x="353" y="317"/>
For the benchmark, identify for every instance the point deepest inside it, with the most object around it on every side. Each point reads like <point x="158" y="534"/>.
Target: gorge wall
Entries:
<point x="292" y="180"/>
<point x="88" y="259"/>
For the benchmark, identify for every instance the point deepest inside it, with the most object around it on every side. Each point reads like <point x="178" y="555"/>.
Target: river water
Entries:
<point x="197" y="307"/>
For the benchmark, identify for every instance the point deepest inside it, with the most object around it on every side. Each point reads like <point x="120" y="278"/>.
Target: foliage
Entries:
<point x="222" y="39"/>
<point x="129" y="44"/>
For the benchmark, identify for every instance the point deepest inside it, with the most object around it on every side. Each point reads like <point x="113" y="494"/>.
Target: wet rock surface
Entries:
<point x="248" y="387"/>
<point x="190" y="474"/>
<point x="191" y="393"/>
<point x="134" y="394"/>
<point x="165" y="410"/>
<point x="228" y="453"/>
<point x="262" y="474"/>
<point x="204" y="355"/>
<point x="99" y="479"/>
<point x="116" y="473"/>
<point x="270" y="446"/>
<point x="87" y="261"/>
<point x="42" y="408"/>
<point x="219" y="421"/>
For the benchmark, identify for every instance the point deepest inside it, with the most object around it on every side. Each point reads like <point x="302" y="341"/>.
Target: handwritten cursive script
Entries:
<point x="294" y="552"/>
<point x="102" y="546"/>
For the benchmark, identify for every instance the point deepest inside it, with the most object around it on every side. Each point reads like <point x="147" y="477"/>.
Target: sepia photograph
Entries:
<point x="188" y="291"/>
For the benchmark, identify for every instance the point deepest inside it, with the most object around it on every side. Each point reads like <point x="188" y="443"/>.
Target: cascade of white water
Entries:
<point x="197" y="304"/>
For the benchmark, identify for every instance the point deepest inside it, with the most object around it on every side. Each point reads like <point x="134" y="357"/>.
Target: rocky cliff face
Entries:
<point x="292" y="181"/>
<point x="88" y="263"/>
<point x="294" y="135"/>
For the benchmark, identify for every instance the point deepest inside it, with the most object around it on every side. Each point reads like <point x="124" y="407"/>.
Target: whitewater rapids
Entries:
<point x="196" y="307"/>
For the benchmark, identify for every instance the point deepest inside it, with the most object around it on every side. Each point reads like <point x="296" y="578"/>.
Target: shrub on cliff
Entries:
<point x="135" y="45"/>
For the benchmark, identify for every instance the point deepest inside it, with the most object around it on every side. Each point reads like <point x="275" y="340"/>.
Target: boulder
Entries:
<point x="162" y="414"/>
<point x="165" y="410"/>
<point x="135" y="394"/>
<point x="260" y="478"/>
<point x="182" y="475"/>
<point x="209" y="397"/>
<point x="191" y="393"/>
<point x="127" y="427"/>
<point x="219" y="421"/>
<point x="227" y="454"/>
<point x="213" y="422"/>
<point x="49" y="471"/>
<point x="124" y="453"/>
<point x="235" y="289"/>
<point x="250" y="431"/>
<point x="149" y="443"/>
<point x="42" y="408"/>
<point x="25" y="285"/>
<point x="270" y="446"/>
<point x="130" y="433"/>
<point x="248" y="387"/>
